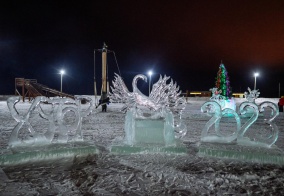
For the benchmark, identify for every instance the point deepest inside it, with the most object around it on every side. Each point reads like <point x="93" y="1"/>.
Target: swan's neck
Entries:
<point x="134" y="83"/>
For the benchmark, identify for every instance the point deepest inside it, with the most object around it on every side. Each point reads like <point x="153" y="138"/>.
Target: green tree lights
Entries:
<point x="223" y="82"/>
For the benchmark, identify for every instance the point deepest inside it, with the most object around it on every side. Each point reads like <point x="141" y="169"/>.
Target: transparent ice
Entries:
<point x="217" y="97"/>
<point x="268" y="134"/>
<point x="214" y="109"/>
<point x="164" y="97"/>
<point x="251" y="95"/>
<point x="265" y="137"/>
<point x="55" y="117"/>
<point x="155" y="130"/>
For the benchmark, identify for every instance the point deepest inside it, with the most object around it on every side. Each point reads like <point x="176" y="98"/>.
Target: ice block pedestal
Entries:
<point x="47" y="154"/>
<point x="272" y="155"/>
<point x="148" y="134"/>
<point x="50" y="139"/>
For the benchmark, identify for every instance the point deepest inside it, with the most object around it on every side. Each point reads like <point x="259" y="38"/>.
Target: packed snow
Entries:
<point x="138" y="174"/>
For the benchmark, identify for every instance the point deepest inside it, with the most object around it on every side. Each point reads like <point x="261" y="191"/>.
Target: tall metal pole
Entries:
<point x="279" y="91"/>
<point x="255" y="75"/>
<point x="61" y="83"/>
<point x="150" y="74"/>
<point x="254" y="82"/>
<point x="95" y="85"/>
<point x="62" y="72"/>
<point x="150" y="85"/>
<point x="104" y="74"/>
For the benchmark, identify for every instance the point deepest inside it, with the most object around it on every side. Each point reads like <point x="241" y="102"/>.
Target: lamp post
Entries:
<point x="150" y="74"/>
<point x="62" y="72"/>
<point x="255" y="75"/>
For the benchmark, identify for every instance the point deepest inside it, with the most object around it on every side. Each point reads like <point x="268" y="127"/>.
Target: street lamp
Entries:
<point x="150" y="74"/>
<point x="255" y="75"/>
<point x="62" y="72"/>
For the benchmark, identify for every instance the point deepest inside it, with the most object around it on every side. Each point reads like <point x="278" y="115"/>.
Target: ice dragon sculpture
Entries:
<point x="52" y="110"/>
<point x="162" y="96"/>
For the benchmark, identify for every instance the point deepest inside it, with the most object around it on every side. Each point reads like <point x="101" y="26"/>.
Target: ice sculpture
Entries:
<point x="153" y="120"/>
<point x="244" y="137"/>
<point x="213" y="108"/>
<point x="223" y="102"/>
<point x="154" y="130"/>
<point x="263" y="137"/>
<point x="55" y="117"/>
<point x="163" y="95"/>
<point x="254" y="143"/>
<point x="251" y="95"/>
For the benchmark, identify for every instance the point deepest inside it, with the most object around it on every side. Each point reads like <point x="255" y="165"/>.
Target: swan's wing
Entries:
<point x="167" y="94"/>
<point x="159" y="89"/>
<point x="119" y="92"/>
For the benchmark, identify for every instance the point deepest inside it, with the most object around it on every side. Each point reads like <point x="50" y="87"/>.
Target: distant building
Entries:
<point x="208" y="94"/>
<point x="198" y="94"/>
<point x="239" y="95"/>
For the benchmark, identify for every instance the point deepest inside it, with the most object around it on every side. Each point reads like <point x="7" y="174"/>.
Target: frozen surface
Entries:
<point x="139" y="174"/>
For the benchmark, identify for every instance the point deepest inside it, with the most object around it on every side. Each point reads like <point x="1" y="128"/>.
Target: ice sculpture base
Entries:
<point x="236" y="152"/>
<point x="148" y="149"/>
<point x="154" y="134"/>
<point x="149" y="130"/>
<point x="47" y="154"/>
<point x="216" y="139"/>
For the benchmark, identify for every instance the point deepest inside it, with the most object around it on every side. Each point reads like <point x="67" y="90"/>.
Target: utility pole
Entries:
<point x="279" y="95"/>
<point x="104" y="98"/>
<point x="95" y="85"/>
<point x="104" y="79"/>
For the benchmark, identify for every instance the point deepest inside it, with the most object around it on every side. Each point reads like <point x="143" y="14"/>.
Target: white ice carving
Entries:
<point x="55" y="117"/>
<point x="163" y="95"/>
<point x="213" y="108"/>
<point x="251" y="95"/>
<point x="264" y="137"/>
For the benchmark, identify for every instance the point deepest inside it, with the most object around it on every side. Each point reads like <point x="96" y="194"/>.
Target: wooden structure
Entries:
<point x="30" y="88"/>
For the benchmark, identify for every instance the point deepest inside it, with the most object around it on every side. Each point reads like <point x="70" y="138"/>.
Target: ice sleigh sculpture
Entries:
<point x="246" y="142"/>
<point x="57" y="134"/>
<point x="152" y="124"/>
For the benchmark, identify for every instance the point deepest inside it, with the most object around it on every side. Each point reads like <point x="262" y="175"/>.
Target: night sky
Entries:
<point x="186" y="40"/>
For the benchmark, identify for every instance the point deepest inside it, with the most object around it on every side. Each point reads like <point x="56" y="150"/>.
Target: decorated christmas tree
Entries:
<point x="223" y="83"/>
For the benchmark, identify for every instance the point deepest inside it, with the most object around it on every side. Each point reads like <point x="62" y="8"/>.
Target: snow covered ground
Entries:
<point x="138" y="174"/>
